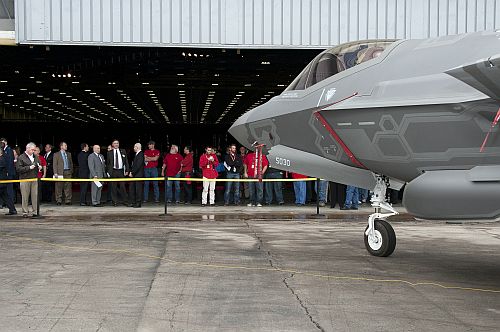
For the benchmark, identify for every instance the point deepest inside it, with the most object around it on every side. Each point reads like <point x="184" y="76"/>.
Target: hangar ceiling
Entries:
<point x="82" y="84"/>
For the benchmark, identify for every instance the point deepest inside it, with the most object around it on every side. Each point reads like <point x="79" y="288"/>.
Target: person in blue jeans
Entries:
<point x="351" y="198"/>
<point x="151" y="156"/>
<point x="299" y="187"/>
<point x="274" y="187"/>
<point x="233" y="163"/>
<point x="321" y="195"/>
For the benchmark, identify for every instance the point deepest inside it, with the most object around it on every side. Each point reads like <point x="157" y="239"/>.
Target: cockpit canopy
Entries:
<point x="338" y="59"/>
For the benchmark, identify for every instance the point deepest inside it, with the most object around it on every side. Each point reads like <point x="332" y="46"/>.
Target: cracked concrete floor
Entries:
<point x="232" y="272"/>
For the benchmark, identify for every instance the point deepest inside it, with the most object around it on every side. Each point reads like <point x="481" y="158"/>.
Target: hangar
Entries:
<point x="182" y="71"/>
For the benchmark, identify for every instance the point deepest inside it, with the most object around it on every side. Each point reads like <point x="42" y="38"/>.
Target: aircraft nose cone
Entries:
<point x="239" y="130"/>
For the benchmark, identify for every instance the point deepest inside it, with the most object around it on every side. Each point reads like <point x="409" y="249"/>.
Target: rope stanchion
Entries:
<point x="165" y="214"/>
<point x="38" y="195"/>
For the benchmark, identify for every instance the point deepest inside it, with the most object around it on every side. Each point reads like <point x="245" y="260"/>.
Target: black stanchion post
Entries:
<point x="165" y="213"/>
<point x="39" y="193"/>
<point x="317" y="196"/>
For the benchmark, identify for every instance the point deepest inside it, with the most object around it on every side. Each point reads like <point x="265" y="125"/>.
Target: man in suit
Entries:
<point x="117" y="167"/>
<point x="136" y="171"/>
<point x="27" y="167"/>
<point x="97" y="170"/>
<point x="83" y="172"/>
<point x="63" y="166"/>
<point x="10" y="168"/>
<point x="3" y="186"/>
<point x="48" y="187"/>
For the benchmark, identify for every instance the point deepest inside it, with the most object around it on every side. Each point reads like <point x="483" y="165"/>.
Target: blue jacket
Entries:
<point x="9" y="161"/>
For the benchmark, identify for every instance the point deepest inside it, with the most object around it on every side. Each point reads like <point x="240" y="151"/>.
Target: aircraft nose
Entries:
<point x="239" y="130"/>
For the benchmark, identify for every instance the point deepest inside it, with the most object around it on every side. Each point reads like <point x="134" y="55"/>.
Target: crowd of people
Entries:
<point x="114" y="162"/>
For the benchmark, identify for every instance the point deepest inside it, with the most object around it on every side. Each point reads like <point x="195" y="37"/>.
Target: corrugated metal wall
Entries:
<point x="246" y="23"/>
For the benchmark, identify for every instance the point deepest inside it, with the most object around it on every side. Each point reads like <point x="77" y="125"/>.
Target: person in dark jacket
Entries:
<point x="136" y="171"/>
<point x="118" y="167"/>
<point x="83" y="172"/>
<point x="27" y="167"/>
<point x="10" y="167"/>
<point x="3" y="186"/>
<point x="233" y="164"/>
<point x="48" y="187"/>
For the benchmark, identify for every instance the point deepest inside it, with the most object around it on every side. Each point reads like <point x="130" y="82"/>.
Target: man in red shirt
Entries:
<point x="187" y="172"/>
<point x="151" y="156"/>
<point x="172" y="168"/>
<point x="255" y="165"/>
<point x="42" y="172"/>
<point x="208" y="164"/>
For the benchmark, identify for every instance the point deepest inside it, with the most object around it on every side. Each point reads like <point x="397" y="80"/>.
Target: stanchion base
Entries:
<point x="317" y="216"/>
<point x="165" y="215"/>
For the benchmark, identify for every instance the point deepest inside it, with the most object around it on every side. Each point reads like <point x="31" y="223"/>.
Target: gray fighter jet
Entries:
<point x="381" y="114"/>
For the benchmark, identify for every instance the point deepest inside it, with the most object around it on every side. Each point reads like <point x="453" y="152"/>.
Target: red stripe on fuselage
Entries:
<point x="334" y="134"/>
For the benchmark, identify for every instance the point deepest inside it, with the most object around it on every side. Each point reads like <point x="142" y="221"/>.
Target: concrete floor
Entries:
<point x="113" y="269"/>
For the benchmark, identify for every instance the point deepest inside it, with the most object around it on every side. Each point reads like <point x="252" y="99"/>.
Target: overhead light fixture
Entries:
<point x="69" y="75"/>
<point x="265" y="63"/>
<point x="145" y="83"/>
<point x="215" y="84"/>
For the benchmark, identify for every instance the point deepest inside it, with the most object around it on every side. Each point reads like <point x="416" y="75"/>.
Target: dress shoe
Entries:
<point x="345" y="208"/>
<point x="203" y="205"/>
<point x="97" y="205"/>
<point x="11" y="213"/>
<point x="81" y="204"/>
<point x="25" y="215"/>
<point x="137" y="206"/>
<point x="68" y="203"/>
<point x="131" y="205"/>
<point x="114" y="204"/>
<point x="58" y="203"/>
<point x="354" y="208"/>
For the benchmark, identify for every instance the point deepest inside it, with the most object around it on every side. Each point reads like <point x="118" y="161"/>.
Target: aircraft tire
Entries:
<point x="386" y="239"/>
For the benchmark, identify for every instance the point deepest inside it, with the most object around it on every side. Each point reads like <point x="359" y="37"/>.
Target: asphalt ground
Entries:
<point x="243" y="269"/>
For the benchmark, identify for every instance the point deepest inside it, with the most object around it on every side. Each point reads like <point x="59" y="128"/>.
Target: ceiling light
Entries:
<point x="215" y="84"/>
<point x="265" y="63"/>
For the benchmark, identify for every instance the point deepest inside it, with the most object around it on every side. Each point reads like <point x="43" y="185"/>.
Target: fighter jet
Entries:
<point x="381" y="114"/>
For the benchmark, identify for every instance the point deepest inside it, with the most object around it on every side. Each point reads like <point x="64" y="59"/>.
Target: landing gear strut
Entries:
<point x="380" y="238"/>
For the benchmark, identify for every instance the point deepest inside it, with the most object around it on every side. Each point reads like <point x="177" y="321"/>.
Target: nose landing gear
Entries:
<point x="380" y="238"/>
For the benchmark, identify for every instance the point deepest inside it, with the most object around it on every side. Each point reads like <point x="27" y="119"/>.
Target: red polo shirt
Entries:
<point x="151" y="153"/>
<point x="251" y="164"/>
<point x="43" y="162"/>
<point x="187" y="163"/>
<point x="173" y="163"/>
<point x="298" y="176"/>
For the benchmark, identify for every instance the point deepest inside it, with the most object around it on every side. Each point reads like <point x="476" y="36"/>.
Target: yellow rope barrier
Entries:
<point x="128" y="179"/>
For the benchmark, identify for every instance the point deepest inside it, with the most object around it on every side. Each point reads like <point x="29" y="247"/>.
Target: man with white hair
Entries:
<point x="172" y="164"/>
<point x="27" y="167"/>
<point x="136" y="171"/>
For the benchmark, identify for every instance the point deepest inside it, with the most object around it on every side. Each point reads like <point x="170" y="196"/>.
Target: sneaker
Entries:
<point x="249" y="204"/>
<point x="157" y="201"/>
<point x="321" y="204"/>
<point x="203" y="205"/>
<point x="25" y="215"/>
<point x="281" y="203"/>
<point x="177" y="202"/>
<point x="259" y="205"/>
<point x="144" y="201"/>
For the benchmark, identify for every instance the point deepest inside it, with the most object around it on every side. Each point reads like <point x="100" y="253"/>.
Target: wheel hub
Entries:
<point x="375" y="240"/>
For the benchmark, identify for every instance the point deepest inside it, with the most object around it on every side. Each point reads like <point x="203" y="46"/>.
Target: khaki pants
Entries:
<point x="29" y="189"/>
<point x="66" y="187"/>
<point x="208" y="186"/>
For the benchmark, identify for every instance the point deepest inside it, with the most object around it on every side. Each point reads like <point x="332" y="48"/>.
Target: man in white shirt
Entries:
<point x="118" y="167"/>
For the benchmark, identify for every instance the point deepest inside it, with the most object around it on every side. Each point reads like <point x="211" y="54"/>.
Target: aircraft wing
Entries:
<point x="483" y="75"/>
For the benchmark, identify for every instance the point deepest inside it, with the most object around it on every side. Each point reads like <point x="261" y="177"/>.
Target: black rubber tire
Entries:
<point x="388" y="239"/>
